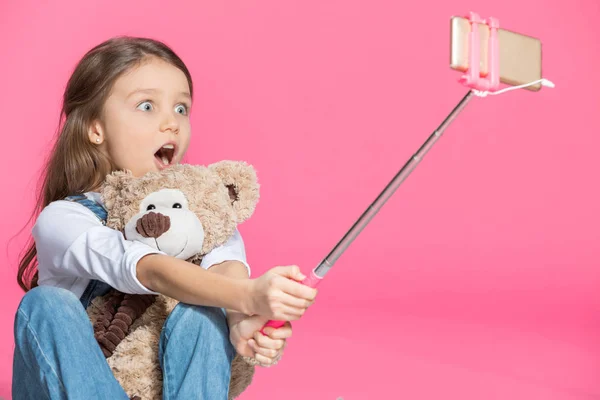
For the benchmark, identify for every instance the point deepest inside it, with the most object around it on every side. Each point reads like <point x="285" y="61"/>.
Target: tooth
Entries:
<point x="165" y="160"/>
<point x="168" y="146"/>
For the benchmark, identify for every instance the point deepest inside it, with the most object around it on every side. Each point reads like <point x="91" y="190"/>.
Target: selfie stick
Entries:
<point x="471" y="79"/>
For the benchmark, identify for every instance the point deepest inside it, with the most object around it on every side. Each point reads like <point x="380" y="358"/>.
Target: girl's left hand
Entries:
<point x="266" y="349"/>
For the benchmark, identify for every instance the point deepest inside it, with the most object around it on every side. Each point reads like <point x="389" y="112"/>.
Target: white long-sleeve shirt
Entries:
<point x="74" y="247"/>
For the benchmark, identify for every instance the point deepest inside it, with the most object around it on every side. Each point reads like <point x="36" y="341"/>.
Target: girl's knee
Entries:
<point x="197" y="319"/>
<point x="48" y="310"/>
<point x="48" y="300"/>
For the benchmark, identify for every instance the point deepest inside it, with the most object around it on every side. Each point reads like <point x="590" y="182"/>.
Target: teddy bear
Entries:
<point x="184" y="211"/>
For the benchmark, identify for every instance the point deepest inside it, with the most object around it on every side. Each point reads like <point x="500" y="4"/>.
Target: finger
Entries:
<point x="295" y="302"/>
<point x="267" y="342"/>
<point x="270" y="353"/>
<point x="293" y="314"/>
<point x="287" y="313"/>
<point x="264" y="361"/>
<point x="283" y="332"/>
<point x="299" y="290"/>
<point x="292" y="272"/>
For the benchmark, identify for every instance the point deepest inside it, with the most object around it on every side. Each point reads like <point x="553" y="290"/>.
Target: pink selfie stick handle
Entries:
<point x="311" y="280"/>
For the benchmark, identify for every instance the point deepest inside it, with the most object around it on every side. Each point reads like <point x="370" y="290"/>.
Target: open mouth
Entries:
<point x="165" y="154"/>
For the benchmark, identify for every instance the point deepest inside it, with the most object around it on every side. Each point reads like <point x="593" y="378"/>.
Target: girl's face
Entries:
<point x="145" y="124"/>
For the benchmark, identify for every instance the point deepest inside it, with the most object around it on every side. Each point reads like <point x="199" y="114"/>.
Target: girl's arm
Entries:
<point x="237" y="270"/>
<point x="274" y="294"/>
<point x="187" y="283"/>
<point x="229" y="260"/>
<point x="72" y="243"/>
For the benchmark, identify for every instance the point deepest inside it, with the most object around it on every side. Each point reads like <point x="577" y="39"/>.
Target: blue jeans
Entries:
<point x="57" y="357"/>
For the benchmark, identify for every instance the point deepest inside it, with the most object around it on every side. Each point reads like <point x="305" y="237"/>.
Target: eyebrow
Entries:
<point x="151" y="91"/>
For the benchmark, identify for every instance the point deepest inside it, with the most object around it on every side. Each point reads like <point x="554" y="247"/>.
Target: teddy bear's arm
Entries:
<point x="119" y="312"/>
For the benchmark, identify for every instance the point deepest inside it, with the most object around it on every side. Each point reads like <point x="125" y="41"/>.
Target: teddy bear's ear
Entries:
<point x="242" y="183"/>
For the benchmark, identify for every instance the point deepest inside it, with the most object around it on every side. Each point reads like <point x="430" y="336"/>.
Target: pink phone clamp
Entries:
<point x="472" y="77"/>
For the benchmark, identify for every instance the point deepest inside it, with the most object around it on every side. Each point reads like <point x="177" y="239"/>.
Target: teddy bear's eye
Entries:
<point x="150" y="207"/>
<point x="176" y="205"/>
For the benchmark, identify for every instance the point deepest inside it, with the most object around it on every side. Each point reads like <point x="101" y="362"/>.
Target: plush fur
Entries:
<point x="221" y="196"/>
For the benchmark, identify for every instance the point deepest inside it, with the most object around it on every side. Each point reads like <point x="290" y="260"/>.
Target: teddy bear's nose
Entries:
<point x="153" y="225"/>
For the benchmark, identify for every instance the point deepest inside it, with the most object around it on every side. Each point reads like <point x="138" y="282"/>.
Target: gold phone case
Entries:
<point x="520" y="55"/>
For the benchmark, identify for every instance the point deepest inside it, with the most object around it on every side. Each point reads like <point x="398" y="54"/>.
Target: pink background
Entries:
<point x="478" y="280"/>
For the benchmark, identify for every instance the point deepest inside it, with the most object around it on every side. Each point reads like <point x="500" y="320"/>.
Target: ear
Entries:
<point x="96" y="133"/>
<point x="241" y="181"/>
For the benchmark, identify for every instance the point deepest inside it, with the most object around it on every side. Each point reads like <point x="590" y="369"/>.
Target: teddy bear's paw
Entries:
<point x="250" y="361"/>
<point x="242" y="373"/>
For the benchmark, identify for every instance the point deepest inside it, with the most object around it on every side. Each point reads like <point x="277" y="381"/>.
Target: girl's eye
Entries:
<point x="145" y="106"/>
<point x="181" y="109"/>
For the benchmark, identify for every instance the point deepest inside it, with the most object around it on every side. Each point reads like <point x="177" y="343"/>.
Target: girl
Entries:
<point x="126" y="99"/>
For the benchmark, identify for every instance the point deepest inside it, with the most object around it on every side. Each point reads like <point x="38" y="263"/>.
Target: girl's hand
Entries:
<point x="276" y="296"/>
<point x="268" y="348"/>
<point x="250" y="342"/>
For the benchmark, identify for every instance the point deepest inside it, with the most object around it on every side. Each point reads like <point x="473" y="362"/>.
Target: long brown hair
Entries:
<point x="75" y="165"/>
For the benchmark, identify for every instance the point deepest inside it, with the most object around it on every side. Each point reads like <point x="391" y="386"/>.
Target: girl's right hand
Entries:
<point x="277" y="296"/>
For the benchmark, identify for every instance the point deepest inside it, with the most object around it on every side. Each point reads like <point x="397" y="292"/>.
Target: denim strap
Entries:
<point x="96" y="287"/>
<point x="96" y="208"/>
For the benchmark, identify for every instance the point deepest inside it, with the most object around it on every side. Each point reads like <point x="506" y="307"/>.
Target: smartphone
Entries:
<point x="520" y="55"/>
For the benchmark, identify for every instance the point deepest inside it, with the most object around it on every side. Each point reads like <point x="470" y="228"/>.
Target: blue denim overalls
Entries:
<point x="95" y="288"/>
<point x="194" y="337"/>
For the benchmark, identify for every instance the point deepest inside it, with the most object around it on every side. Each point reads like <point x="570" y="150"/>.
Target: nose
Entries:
<point x="169" y="123"/>
<point x="153" y="225"/>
